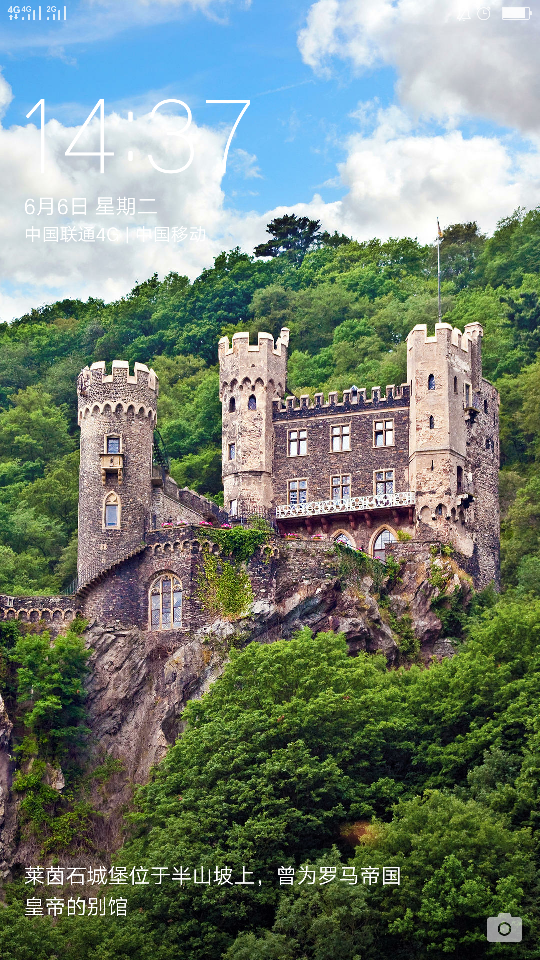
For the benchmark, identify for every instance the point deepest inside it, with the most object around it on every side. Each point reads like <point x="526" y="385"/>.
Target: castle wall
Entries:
<point x="364" y="458"/>
<point x="54" y="612"/>
<point x="123" y="595"/>
<point x="483" y="463"/>
<point x="360" y="530"/>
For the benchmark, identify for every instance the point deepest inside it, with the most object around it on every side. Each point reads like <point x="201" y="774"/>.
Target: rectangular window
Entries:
<point x="297" y="491"/>
<point x="383" y="433"/>
<point x="341" y="487"/>
<point x="113" y="444"/>
<point x="233" y="508"/>
<point x="341" y="438"/>
<point x="111" y="515"/>
<point x="467" y="395"/>
<point x="297" y="443"/>
<point x="384" y="482"/>
<point x="232" y="451"/>
<point x="459" y="479"/>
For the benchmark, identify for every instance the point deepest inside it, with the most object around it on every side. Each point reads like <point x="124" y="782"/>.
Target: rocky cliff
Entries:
<point x="137" y="691"/>
<point x="136" y="694"/>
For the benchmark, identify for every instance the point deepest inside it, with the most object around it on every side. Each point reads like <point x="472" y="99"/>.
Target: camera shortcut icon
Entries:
<point x="504" y="929"/>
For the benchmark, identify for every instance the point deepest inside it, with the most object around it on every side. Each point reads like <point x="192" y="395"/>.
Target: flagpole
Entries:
<point x="439" y="238"/>
<point x="439" y="275"/>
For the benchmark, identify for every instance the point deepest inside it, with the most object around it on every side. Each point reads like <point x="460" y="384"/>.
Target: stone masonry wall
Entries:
<point x="125" y="406"/>
<point x="320" y="463"/>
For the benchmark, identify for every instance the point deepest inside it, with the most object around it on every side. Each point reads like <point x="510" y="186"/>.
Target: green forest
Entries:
<point x="299" y="756"/>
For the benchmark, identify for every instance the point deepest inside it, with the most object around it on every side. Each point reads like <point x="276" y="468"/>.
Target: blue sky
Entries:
<point x="296" y="122"/>
<point x="375" y="116"/>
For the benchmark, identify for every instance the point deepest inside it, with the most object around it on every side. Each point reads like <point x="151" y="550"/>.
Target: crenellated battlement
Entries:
<point x="353" y="399"/>
<point x="241" y="347"/>
<point x="446" y="335"/>
<point x="94" y="383"/>
<point x="245" y="367"/>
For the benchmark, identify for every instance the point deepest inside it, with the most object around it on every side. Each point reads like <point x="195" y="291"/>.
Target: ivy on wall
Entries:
<point x="224" y="588"/>
<point x="239" y="542"/>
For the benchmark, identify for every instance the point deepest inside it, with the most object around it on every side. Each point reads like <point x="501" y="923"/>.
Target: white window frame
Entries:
<point x="384" y="433"/>
<point x="112" y="436"/>
<point x="297" y="480"/>
<point x="111" y="499"/>
<point x="299" y="441"/>
<point x="385" y="479"/>
<point x="340" y="437"/>
<point x="333" y="486"/>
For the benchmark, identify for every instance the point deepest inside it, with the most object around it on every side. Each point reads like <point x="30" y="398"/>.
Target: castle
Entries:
<point x="419" y="461"/>
<point x="421" y="458"/>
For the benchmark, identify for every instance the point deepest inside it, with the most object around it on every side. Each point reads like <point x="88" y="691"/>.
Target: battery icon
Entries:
<point x="516" y="13"/>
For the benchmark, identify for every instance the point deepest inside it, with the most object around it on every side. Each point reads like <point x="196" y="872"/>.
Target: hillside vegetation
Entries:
<point x="349" y="307"/>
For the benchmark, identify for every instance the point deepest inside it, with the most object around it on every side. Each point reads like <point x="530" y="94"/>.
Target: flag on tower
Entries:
<point x="440" y="234"/>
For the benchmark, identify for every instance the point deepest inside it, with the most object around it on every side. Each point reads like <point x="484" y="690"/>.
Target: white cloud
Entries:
<point x="446" y="68"/>
<point x="245" y="164"/>
<point x="398" y="183"/>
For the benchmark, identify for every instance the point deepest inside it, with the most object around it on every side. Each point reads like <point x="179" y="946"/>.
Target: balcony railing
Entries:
<point x="319" y="507"/>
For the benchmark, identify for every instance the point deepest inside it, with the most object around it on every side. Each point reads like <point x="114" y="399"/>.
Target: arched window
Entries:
<point x="385" y="536"/>
<point x="232" y="405"/>
<point x="431" y="423"/>
<point x="111" y="512"/>
<point x="165" y="603"/>
<point x="431" y="381"/>
<point x="344" y="540"/>
<point x="252" y="402"/>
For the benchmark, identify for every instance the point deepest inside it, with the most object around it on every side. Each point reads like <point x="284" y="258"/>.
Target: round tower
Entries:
<point x="251" y="377"/>
<point x="117" y="416"/>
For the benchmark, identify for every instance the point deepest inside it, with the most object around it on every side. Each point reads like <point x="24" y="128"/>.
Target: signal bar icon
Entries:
<point x="516" y="13"/>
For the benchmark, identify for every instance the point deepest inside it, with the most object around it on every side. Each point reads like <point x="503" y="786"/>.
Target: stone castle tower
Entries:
<point x="117" y="415"/>
<point x="251" y="377"/>
<point x="453" y="439"/>
<point x="445" y="373"/>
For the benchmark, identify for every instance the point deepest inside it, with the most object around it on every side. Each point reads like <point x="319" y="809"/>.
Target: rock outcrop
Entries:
<point x="137" y="689"/>
<point x="8" y="819"/>
<point x="136" y="693"/>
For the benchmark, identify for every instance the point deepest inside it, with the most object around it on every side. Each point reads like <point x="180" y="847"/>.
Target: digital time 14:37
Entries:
<point x="102" y="153"/>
